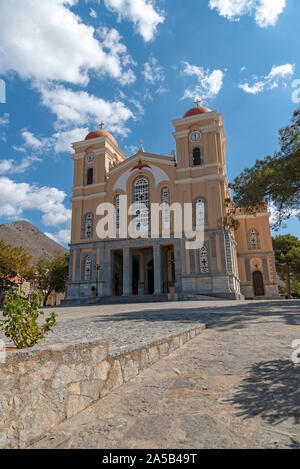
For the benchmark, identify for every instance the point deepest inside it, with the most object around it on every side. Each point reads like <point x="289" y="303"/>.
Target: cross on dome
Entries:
<point x="101" y="125"/>
<point x="198" y="101"/>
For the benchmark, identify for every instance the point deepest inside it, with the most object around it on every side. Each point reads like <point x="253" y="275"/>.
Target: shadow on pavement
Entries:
<point x="227" y="317"/>
<point x="271" y="391"/>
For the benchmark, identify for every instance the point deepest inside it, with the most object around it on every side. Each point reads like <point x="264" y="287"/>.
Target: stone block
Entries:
<point x="114" y="380"/>
<point x="76" y="404"/>
<point x="99" y="354"/>
<point x="145" y="363"/>
<point x="164" y="350"/>
<point x="130" y="367"/>
<point x="153" y="354"/>
<point x="91" y="389"/>
<point x="101" y="371"/>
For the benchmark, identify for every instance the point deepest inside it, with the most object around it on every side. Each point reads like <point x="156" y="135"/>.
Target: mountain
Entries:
<point x="28" y="236"/>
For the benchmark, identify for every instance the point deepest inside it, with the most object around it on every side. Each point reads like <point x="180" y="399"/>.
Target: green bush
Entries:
<point x="20" y="323"/>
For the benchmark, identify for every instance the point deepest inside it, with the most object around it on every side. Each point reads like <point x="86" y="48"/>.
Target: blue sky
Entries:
<point x="136" y="65"/>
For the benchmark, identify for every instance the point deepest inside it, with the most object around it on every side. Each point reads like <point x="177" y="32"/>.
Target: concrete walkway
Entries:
<point x="234" y="386"/>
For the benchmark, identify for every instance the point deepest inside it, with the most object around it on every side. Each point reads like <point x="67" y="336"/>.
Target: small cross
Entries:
<point x="141" y="147"/>
<point x="198" y="101"/>
<point x="101" y="125"/>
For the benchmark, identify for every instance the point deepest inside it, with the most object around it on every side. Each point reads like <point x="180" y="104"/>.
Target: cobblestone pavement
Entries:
<point x="234" y="386"/>
<point x="132" y="324"/>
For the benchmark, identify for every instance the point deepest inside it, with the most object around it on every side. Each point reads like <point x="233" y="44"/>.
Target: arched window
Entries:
<point x="87" y="226"/>
<point x="253" y="240"/>
<point x="87" y="269"/>
<point x="117" y="213"/>
<point x="204" y="265"/>
<point x="141" y="199"/>
<point x="200" y="211"/>
<point x="197" y="158"/>
<point x="165" y="200"/>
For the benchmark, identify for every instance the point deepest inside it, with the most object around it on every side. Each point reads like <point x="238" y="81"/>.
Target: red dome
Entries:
<point x="101" y="133"/>
<point x="196" y="110"/>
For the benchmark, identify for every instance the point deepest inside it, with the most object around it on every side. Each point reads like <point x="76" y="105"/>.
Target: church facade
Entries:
<point x="229" y="264"/>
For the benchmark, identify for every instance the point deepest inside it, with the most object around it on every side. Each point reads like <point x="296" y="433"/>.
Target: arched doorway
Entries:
<point x="258" y="284"/>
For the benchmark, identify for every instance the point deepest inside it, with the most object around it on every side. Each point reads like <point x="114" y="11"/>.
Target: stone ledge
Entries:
<point x="41" y="387"/>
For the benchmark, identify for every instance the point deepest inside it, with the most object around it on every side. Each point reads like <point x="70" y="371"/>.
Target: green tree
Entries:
<point x="20" y="319"/>
<point x="13" y="261"/>
<point x="287" y="257"/>
<point x="52" y="275"/>
<point x="275" y="179"/>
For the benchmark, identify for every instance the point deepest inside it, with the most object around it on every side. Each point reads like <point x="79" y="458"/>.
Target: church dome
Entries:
<point x="196" y="110"/>
<point x="101" y="133"/>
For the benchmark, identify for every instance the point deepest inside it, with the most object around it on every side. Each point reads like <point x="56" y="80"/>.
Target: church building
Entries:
<point x="230" y="263"/>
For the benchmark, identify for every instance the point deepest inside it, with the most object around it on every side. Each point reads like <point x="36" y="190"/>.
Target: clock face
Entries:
<point x="195" y="136"/>
<point x="90" y="158"/>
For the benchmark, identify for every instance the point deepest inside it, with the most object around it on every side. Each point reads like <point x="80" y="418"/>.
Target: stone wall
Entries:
<point x="41" y="387"/>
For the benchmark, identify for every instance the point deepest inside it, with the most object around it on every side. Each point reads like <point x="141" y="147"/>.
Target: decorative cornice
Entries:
<point x="142" y="156"/>
<point x="196" y="118"/>
<point x="217" y="177"/>
<point x="87" y="197"/>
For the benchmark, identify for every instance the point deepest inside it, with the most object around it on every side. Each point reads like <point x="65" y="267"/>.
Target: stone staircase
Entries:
<point x="111" y="300"/>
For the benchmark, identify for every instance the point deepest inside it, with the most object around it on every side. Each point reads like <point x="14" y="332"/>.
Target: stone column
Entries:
<point x="107" y="271"/>
<point x="127" y="272"/>
<point x="157" y="269"/>
<point x="77" y="271"/>
<point x="71" y="265"/>
<point x="179" y="246"/>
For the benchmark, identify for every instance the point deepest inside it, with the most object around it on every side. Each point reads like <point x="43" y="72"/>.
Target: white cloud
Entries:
<point x="153" y="72"/>
<point x="45" y="40"/>
<point x="277" y="75"/>
<point x="93" y="13"/>
<point x="141" y="12"/>
<point x="79" y="108"/>
<point x="111" y="43"/>
<point x="256" y="88"/>
<point x="275" y="213"/>
<point x="14" y="167"/>
<point x="32" y="141"/>
<point x="209" y="83"/>
<point x="4" y="120"/>
<point x="76" y="114"/>
<point x="16" y="198"/>
<point x="265" y="12"/>
<point x="281" y="71"/>
<point x="61" y="237"/>
<point x="62" y="140"/>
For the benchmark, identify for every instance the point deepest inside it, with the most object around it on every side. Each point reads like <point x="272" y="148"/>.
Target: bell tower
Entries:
<point x="200" y="138"/>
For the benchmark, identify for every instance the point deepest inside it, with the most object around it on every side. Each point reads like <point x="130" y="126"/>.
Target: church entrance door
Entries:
<point x="258" y="284"/>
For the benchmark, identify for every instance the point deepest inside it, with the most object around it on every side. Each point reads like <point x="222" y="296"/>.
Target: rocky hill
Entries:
<point x="24" y="234"/>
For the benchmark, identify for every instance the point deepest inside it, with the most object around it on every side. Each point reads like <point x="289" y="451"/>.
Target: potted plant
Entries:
<point x="171" y="287"/>
<point x="94" y="293"/>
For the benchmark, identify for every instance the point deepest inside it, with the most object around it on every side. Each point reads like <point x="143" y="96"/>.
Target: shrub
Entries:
<point x="20" y="323"/>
